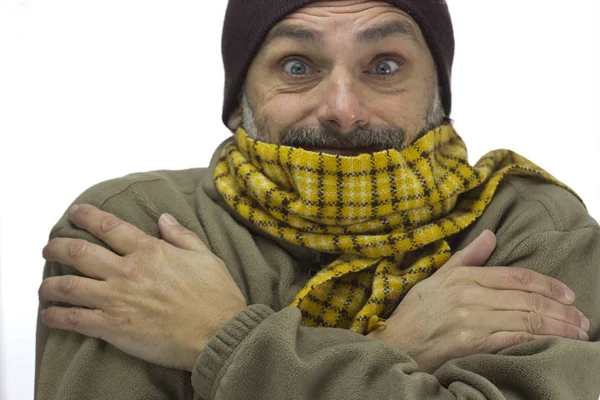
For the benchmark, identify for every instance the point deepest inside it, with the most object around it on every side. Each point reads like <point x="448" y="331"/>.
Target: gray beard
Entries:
<point x="326" y="137"/>
<point x="371" y="137"/>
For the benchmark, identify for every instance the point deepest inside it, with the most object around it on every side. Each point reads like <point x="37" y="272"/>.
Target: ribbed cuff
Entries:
<point x="216" y="356"/>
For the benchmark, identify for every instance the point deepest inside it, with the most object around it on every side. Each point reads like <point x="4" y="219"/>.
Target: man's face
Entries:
<point x="343" y="77"/>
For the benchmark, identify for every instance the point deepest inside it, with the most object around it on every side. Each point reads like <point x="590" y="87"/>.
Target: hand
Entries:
<point x="462" y="310"/>
<point x="152" y="300"/>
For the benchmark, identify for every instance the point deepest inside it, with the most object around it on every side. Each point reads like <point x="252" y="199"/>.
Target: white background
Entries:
<point x="92" y="90"/>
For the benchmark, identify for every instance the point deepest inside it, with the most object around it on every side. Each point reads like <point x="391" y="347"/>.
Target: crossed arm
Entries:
<point x="142" y="298"/>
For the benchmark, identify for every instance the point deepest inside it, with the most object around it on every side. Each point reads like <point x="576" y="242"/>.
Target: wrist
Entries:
<point x="420" y="354"/>
<point x="207" y="332"/>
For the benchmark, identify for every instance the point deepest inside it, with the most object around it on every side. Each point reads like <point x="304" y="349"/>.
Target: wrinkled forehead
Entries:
<point x="349" y="8"/>
<point x="364" y="22"/>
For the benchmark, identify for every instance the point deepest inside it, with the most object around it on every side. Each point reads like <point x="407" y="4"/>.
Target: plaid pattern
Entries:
<point x="386" y="214"/>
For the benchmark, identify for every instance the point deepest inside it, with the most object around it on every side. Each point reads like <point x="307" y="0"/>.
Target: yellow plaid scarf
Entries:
<point x="386" y="214"/>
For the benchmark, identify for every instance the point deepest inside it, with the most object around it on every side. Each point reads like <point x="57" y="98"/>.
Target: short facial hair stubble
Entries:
<point x="381" y="137"/>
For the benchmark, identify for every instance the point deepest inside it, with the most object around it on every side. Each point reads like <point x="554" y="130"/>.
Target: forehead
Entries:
<point x="345" y="7"/>
<point x="365" y="20"/>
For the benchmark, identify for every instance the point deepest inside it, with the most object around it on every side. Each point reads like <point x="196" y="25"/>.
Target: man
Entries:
<point x="334" y="247"/>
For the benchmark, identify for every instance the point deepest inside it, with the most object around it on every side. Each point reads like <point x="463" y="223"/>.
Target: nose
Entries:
<point x="342" y="108"/>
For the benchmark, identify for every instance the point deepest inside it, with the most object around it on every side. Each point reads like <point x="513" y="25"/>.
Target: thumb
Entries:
<point x="476" y="253"/>
<point x="177" y="235"/>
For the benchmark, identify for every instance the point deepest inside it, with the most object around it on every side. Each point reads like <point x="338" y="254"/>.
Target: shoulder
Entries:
<point x="180" y="181"/>
<point x="543" y="205"/>
<point x="140" y="198"/>
<point x="547" y="229"/>
<point x="525" y="206"/>
<point x="531" y="206"/>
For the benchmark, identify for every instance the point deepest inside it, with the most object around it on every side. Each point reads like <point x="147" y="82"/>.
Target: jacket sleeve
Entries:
<point x="263" y="354"/>
<point x="70" y="366"/>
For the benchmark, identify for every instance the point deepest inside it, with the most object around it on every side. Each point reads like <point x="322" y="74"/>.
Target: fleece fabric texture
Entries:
<point x="265" y="353"/>
<point x="386" y="215"/>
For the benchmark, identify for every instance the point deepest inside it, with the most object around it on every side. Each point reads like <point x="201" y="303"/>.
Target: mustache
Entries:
<point x="361" y="137"/>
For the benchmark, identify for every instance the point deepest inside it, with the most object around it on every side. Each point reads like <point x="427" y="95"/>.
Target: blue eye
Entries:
<point x="387" y="67"/>
<point x="296" y="68"/>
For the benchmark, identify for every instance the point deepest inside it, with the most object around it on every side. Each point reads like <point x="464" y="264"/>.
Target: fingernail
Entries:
<point x="585" y="323"/>
<point x="169" y="219"/>
<point x="73" y="209"/>
<point x="569" y="295"/>
<point x="583" y="336"/>
<point x="43" y="314"/>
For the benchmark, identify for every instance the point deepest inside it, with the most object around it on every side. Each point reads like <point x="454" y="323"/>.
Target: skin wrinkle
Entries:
<point x="373" y="139"/>
<point x="367" y="36"/>
<point x="340" y="100"/>
<point x="380" y="32"/>
<point x="297" y="33"/>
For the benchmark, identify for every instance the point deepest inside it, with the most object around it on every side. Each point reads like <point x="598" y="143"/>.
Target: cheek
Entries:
<point x="282" y="112"/>
<point x="399" y="110"/>
<point x="413" y="104"/>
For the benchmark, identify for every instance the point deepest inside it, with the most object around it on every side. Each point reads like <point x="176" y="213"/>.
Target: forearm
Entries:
<point x="75" y="367"/>
<point x="550" y="369"/>
<point x="267" y="355"/>
<point x="70" y="366"/>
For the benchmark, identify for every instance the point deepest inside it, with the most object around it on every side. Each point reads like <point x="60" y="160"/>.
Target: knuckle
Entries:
<point x="49" y="250"/>
<point x="130" y="271"/>
<point x="460" y="271"/>
<point x="119" y="321"/>
<point x="50" y="315"/>
<point x="74" y="316"/>
<point x="81" y="211"/>
<point x="183" y="232"/>
<point x="67" y="285"/>
<point x="475" y="343"/>
<point x="109" y="224"/>
<point x="463" y="297"/>
<point x="42" y="290"/>
<point x="52" y="243"/>
<point x="536" y="304"/>
<point x="480" y="343"/>
<point x="569" y="331"/>
<point x="149" y="244"/>
<point x="519" y="276"/>
<point x="572" y="316"/>
<point x="464" y="316"/>
<point x="554" y="288"/>
<point x="464" y="338"/>
<point x="77" y="248"/>
<point x="534" y="322"/>
<point x="458" y="274"/>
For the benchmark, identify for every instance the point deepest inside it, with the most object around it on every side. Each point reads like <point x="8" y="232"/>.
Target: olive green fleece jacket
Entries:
<point x="264" y="353"/>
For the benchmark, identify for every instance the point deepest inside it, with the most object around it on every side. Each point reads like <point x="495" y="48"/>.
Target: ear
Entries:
<point x="235" y="119"/>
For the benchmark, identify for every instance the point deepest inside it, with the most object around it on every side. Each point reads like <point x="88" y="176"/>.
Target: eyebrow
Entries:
<point x="296" y="33"/>
<point x="366" y="36"/>
<point x="391" y="28"/>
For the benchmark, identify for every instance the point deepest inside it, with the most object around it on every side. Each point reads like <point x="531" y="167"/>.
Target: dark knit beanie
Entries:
<point x="247" y="23"/>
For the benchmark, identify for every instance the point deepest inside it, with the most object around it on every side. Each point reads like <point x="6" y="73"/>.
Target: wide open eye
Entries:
<point x="296" y="68"/>
<point x="385" y="68"/>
